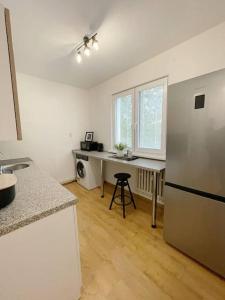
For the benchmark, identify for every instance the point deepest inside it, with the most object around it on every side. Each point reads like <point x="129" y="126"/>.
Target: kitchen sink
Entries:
<point x="12" y="168"/>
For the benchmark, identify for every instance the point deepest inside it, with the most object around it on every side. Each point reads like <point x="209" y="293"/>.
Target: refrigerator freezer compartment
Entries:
<point x="196" y="226"/>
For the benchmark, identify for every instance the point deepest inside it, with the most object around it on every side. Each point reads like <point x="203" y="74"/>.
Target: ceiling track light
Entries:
<point x="95" y="43"/>
<point x="87" y="50"/>
<point x="79" y="57"/>
<point x="85" y="46"/>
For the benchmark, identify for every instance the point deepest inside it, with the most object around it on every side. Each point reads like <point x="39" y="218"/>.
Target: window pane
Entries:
<point x="150" y="117"/>
<point x="124" y="120"/>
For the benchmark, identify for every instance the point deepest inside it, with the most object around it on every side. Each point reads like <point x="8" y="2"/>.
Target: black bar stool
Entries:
<point x="122" y="181"/>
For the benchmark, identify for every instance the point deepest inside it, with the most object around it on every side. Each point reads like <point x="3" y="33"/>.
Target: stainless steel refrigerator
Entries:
<point x="194" y="219"/>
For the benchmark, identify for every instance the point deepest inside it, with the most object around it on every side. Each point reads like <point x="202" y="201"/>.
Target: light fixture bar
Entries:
<point x="85" y="45"/>
<point x="86" y="40"/>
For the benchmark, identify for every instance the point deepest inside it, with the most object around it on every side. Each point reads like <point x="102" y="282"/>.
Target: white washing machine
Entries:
<point x="88" y="171"/>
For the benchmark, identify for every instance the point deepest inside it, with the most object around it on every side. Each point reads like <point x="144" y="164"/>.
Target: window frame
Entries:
<point x="134" y="92"/>
<point x="115" y="96"/>
<point x="155" y="153"/>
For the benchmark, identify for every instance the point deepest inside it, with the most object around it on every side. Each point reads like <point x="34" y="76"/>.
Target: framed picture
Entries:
<point x="89" y="136"/>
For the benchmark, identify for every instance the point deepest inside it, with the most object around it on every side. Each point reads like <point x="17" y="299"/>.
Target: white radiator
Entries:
<point x="145" y="184"/>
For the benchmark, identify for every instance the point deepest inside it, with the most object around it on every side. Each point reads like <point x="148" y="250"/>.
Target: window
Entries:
<point x="140" y="119"/>
<point x="124" y="119"/>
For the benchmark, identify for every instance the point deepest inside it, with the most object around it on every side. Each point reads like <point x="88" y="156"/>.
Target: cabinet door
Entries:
<point x="9" y="111"/>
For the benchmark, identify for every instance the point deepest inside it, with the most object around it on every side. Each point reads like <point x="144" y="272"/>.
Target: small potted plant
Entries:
<point x="120" y="148"/>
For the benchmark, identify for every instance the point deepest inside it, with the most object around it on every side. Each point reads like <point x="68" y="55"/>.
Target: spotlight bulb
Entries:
<point x="79" y="57"/>
<point x="95" y="44"/>
<point x="87" y="51"/>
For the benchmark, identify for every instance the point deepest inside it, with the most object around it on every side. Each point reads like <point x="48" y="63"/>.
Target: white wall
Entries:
<point x="54" y="119"/>
<point x="55" y="116"/>
<point x="199" y="55"/>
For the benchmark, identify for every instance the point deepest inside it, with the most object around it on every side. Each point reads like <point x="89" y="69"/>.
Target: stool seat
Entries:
<point x="122" y="181"/>
<point x="122" y="176"/>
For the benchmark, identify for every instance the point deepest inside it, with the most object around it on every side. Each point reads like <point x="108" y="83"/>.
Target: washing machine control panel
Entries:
<point x="81" y="156"/>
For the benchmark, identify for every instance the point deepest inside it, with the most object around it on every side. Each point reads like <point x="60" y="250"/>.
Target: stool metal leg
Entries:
<point x="131" y="195"/>
<point x="114" y="193"/>
<point x="123" y="200"/>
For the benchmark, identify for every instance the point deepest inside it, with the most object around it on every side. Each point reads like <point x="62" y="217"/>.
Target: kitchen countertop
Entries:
<point x="5" y="162"/>
<point x="142" y="163"/>
<point x="37" y="196"/>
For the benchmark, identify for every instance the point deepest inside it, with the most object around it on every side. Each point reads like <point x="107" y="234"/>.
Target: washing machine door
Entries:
<point x="81" y="169"/>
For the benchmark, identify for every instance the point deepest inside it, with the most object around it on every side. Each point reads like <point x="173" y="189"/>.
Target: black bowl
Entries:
<point x="7" y="196"/>
<point x="8" y="191"/>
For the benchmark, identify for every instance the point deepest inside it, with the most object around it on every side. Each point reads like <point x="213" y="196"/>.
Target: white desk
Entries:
<point x="155" y="166"/>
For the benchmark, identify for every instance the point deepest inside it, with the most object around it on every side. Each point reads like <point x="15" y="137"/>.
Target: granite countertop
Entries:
<point x="37" y="196"/>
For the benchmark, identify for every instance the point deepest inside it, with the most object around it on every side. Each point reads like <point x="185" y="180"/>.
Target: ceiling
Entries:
<point x="129" y="32"/>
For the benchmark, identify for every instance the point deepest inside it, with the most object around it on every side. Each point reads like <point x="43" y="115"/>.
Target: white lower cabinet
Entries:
<point x="42" y="260"/>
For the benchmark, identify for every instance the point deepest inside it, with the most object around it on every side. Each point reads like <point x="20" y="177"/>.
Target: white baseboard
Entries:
<point x="67" y="181"/>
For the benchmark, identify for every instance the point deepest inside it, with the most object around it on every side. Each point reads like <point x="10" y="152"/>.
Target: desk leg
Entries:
<point x="154" y="198"/>
<point x="102" y="178"/>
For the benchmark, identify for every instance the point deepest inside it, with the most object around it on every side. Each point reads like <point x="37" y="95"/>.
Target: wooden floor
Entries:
<point x="126" y="259"/>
